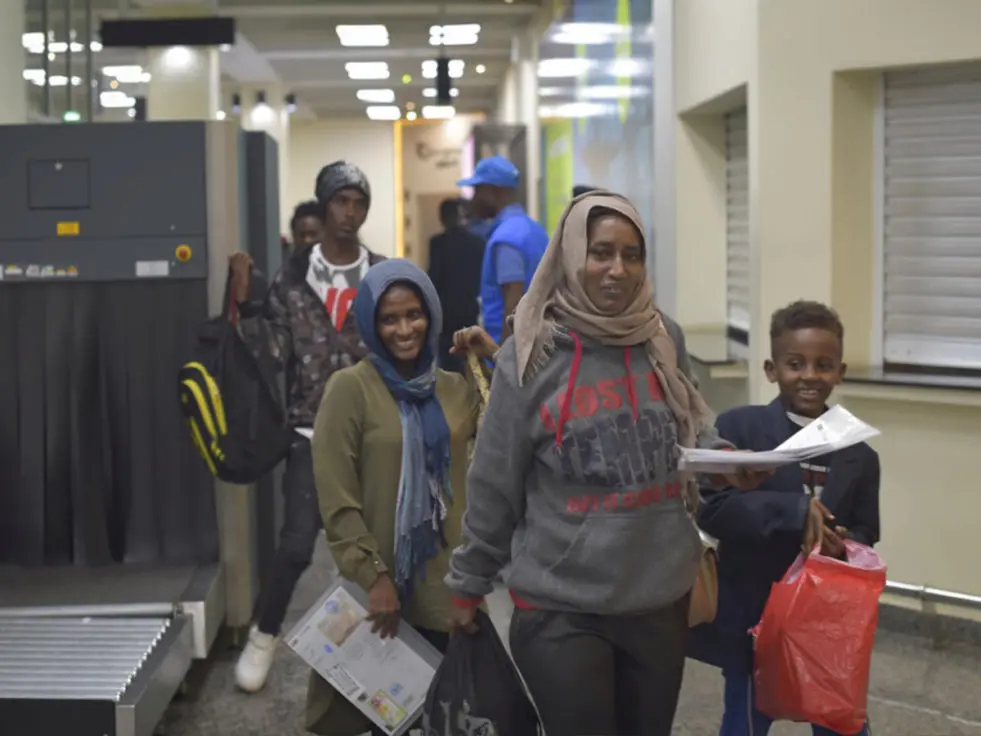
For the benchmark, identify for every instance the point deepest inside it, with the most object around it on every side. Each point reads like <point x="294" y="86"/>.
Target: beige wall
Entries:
<point x="810" y="72"/>
<point x="431" y="154"/>
<point x="370" y="145"/>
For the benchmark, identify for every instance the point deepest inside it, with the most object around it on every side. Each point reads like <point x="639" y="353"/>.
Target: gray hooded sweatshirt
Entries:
<point x="580" y="503"/>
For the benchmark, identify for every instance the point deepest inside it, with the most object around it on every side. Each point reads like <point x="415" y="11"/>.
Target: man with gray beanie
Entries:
<point x="306" y="325"/>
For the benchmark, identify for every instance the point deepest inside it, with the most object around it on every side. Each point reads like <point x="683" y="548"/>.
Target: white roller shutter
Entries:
<point x="737" y="220"/>
<point x="931" y="217"/>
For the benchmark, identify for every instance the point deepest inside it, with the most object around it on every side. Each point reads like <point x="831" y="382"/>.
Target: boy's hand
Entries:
<point x="745" y="479"/>
<point x="814" y="528"/>
<point x="833" y="544"/>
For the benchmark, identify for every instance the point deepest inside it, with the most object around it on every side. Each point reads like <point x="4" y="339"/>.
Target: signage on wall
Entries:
<point x="441" y="158"/>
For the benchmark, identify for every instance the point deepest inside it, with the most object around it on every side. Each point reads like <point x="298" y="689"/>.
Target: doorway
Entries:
<point x="427" y="223"/>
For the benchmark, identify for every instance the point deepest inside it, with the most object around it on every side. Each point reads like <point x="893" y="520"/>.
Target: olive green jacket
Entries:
<point x="357" y="461"/>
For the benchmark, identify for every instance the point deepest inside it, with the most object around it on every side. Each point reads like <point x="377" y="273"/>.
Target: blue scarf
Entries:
<point x="424" y="483"/>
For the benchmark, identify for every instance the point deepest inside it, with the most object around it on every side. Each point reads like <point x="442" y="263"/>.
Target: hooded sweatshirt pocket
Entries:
<point x="611" y="563"/>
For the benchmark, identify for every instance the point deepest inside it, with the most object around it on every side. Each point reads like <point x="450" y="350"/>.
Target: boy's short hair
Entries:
<point x="803" y="315"/>
<point x="304" y="210"/>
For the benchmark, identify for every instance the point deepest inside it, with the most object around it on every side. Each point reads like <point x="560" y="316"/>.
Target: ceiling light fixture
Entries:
<point x="127" y="74"/>
<point x="370" y="35"/>
<point x="411" y="115"/>
<point x="456" y="68"/>
<point x="559" y="68"/>
<point x="236" y="103"/>
<point x="589" y="34"/>
<point x="33" y="43"/>
<point x="367" y="69"/>
<point x="377" y="96"/>
<point x="466" y="34"/>
<point x="438" y="112"/>
<point x="608" y="92"/>
<point x="430" y="92"/>
<point x="383" y="112"/>
<point x="480" y="68"/>
<point x="628" y="68"/>
<point x="577" y="110"/>
<point x="290" y="101"/>
<point x="260" y="98"/>
<point x="116" y="100"/>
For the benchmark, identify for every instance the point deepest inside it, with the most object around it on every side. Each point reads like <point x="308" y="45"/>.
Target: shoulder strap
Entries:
<point x="473" y="363"/>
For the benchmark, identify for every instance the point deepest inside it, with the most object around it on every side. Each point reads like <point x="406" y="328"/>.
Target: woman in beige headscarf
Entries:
<point x="575" y="492"/>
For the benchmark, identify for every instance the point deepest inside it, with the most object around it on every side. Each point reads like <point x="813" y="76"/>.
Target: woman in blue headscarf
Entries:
<point x="390" y="450"/>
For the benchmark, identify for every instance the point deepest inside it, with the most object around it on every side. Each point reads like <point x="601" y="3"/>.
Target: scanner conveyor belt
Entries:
<point x="104" y="676"/>
<point x="87" y="659"/>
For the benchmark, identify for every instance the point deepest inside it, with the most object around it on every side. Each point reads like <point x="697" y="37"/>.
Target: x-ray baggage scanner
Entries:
<point x="120" y="556"/>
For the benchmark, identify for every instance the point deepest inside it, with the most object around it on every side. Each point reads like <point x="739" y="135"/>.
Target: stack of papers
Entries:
<point x="836" y="429"/>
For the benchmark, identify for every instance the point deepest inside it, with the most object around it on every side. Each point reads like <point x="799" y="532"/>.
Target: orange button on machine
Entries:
<point x="183" y="253"/>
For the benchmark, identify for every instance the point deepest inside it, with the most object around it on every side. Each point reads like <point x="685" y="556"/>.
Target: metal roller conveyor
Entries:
<point x="120" y="672"/>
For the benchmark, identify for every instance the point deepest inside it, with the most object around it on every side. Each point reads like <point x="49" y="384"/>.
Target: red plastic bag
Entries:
<point x="814" y="643"/>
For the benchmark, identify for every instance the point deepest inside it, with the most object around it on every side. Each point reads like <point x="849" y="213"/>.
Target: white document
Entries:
<point x="836" y="429"/>
<point x="387" y="679"/>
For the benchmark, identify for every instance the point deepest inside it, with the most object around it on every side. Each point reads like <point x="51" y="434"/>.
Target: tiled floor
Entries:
<point x="916" y="690"/>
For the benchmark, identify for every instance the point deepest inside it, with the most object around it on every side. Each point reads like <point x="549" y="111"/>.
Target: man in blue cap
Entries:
<point x="515" y="242"/>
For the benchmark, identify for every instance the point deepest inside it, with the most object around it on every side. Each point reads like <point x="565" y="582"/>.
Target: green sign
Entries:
<point x="558" y="170"/>
<point x="71" y="116"/>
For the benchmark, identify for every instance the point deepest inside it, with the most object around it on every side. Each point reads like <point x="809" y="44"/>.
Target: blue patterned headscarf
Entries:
<point x="424" y="484"/>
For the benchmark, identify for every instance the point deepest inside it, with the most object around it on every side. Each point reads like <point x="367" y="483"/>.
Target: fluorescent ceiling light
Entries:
<point x="116" y="99"/>
<point x="456" y="68"/>
<point x="466" y="34"/>
<point x="431" y="92"/>
<point x="610" y="92"/>
<point x="628" y="68"/>
<point x="377" y="96"/>
<point x="384" y="112"/>
<point x="558" y="68"/>
<point x="128" y="74"/>
<point x="438" y="112"/>
<point x="36" y="76"/>
<point x="576" y="110"/>
<point x="367" y="69"/>
<point x="589" y="34"/>
<point x="553" y="91"/>
<point x="33" y="43"/>
<point x="375" y="35"/>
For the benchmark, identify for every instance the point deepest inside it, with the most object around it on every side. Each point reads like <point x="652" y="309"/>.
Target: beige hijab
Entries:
<point x="556" y="296"/>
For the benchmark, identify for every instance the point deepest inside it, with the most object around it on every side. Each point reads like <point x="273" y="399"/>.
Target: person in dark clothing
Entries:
<point x="820" y="502"/>
<point x="455" y="258"/>
<point x="305" y="323"/>
<point x="306" y="226"/>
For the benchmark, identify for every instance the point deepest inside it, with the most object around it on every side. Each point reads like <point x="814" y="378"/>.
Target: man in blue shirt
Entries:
<point x="515" y="242"/>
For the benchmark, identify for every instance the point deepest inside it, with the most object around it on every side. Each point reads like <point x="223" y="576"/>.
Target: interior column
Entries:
<point x="265" y="108"/>
<point x="13" y="88"/>
<point x="526" y="73"/>
<point x="185" y="83"/>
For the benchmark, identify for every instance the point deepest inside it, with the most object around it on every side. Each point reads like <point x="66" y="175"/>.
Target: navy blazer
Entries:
<point x="760" y="531"/>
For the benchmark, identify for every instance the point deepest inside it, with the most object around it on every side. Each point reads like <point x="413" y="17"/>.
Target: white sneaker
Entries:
<point x="256" y="660"/>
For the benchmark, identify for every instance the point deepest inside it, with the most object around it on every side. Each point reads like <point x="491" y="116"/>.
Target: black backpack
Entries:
<point x="231" y="404"/>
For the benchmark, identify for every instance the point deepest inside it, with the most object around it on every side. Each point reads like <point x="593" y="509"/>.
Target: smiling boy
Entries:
<point x="820" y="502"/>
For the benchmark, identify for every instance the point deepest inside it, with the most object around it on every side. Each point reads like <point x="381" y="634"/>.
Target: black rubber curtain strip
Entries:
<point x="95" y="463"/>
